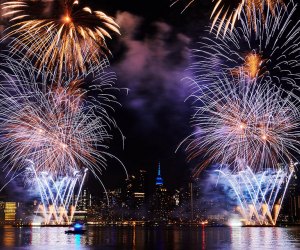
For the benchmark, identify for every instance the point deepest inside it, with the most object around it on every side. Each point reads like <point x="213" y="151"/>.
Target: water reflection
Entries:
<point x="265" y="238"/>
<point x="136" y="237"/>
<point x="10" y="238"/>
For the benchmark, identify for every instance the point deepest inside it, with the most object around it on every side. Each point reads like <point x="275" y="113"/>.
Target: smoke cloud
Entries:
<point x="152" y="63"/>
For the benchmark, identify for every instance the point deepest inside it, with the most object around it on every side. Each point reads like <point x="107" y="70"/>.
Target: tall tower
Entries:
<point x="160" y="200"/>
<point x="159" y="179"/>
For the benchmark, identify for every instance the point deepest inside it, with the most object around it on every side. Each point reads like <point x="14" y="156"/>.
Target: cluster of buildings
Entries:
<point x="132" y="203"/>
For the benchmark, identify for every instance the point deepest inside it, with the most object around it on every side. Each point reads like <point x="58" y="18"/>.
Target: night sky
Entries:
<point x="150" y="59"/>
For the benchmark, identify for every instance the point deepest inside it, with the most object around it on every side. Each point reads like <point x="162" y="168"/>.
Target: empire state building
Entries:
<point x="160" y="200"/>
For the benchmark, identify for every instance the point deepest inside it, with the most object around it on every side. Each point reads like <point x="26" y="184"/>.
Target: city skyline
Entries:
<point x="197" y="202"/>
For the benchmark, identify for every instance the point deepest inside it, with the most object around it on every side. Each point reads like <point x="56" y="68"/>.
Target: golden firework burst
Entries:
<point x="226" y="13"/>
<point x="69" y="40"/>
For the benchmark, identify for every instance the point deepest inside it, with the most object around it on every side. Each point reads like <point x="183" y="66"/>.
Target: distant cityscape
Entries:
<point x="130" y="204"/>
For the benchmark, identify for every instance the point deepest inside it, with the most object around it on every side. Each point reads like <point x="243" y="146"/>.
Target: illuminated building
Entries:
<point x="160" y="201"/>
<point x="139" y="191"/>
<point x="134" y="191"/>
<point x="84" y="200"/>
<point x="10" y="211"/>
<point x="290" y="210"/>
<point x="83" y="204"/>
<point x="159" y="179"/>
<point x="291" y="206"/>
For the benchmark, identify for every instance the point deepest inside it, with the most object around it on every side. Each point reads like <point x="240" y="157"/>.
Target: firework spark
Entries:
<point x="57" y="196"/>
<point x="228" y="12"/>
<point x="260" y="195"/>
<point x="70" y="40"/>
<point x="268" y="49"/>
<point x="54" y="127"/>
<point x="186" y="4"/>
<point x="244" y="122"/>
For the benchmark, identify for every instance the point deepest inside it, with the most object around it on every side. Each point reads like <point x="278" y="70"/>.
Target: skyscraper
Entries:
<point x="159" y="179"/>
<point x="293" y="198"/>
<point x="160" y="200"/>
<point x="133" y="196"/>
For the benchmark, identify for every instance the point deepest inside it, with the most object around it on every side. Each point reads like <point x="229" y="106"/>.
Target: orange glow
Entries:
<point x="226" y="13"/>
<point x="91" y="29"/>
<point x="203" y="223"/>
<point x="242" y="126"/>
<point x="67" y="19"/>
<point x="252" y="64"/>
<point x="264" y="137"/>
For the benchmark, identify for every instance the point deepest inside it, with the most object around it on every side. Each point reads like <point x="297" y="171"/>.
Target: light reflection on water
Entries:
<point x="157" y="238"/>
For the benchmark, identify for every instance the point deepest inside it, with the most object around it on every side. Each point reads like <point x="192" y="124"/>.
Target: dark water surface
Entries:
<point x="154" y="238"/>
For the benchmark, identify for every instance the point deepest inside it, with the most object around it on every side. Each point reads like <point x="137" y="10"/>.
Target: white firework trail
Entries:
<point x="267" y="47"/>
<point x="244" y="122"/>
<point x="57" y="126"/>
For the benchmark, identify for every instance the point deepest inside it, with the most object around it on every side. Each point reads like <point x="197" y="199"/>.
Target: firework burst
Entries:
<point x="52" y="125"/>
<point x="228" y="12"/>
<point x="268" y="49"/>
<point x="244" y="123"/>
<point x="70" y="39"/>
<point x="260" y="195"/>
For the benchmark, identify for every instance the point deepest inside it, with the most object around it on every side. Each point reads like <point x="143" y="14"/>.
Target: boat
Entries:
<point x="77" y="228"/>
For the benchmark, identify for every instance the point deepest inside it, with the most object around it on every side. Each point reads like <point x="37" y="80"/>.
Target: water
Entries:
<point x="154" y="238"/>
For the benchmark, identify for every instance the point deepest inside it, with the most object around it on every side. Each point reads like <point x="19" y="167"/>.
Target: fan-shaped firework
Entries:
<point x="228" y="12"/>
<point x="70" y="39"/>
<point x="54" y="127"/>
<point x="268" y="48"/>
<point x="244" y="124"/>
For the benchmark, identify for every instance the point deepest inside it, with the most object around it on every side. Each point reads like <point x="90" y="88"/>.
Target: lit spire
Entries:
<point x="159" y="180"/>
<point x="158" y="171"/>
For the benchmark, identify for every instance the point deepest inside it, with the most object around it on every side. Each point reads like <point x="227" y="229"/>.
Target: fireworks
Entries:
<point x="53" y="126"/>
<point x="243" y="123"/>
<point x="244" y="86"/>
<point x="259" y="195"/>
<point x="69" y="40"/>
<point x="56" y="130"/>
<point x="268" y="49"/>
<point x="58" y="202"/>
<point x="187" y="4"/>
<point x="226" y="13"/>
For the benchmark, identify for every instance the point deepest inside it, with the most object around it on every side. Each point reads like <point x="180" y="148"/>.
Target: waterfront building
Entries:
<point x="291" y="204"/>
<point x="134" y="196"/>
<point x="8" y="212"/>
